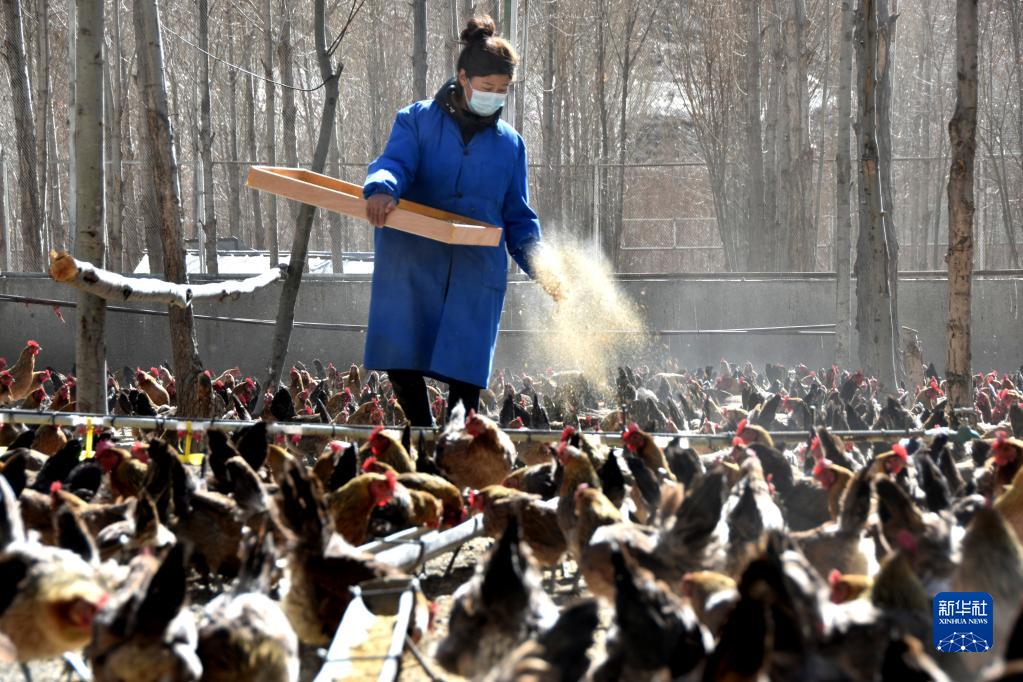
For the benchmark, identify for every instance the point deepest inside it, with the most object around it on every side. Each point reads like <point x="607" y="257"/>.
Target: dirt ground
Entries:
<point x="438" y="584"/>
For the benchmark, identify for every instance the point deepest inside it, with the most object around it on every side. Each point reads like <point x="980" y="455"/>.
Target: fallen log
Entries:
<point x="67" y="269"/>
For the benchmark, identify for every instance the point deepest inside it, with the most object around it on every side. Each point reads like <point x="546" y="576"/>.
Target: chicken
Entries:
<point x="474" y="454"/>
<point x="538" y="520"/>
<point x="145" y="633"/>
<point x="243" y="634"/>
<point x="803" y="503"/>
<point x="750" y="513"/>
<point x="49" y="596"/>
<point x="23" y="372"/>
<point x="656" y="635"/>
<point x="992" y="562"/>
<point x="500" y="608"/>
<point x="350" y="506"/>
<point x="753" y="433"/>
<point x="368" y="413"/>
<point x="454" y="511"/>
<point x="1010" y="505"/>
<point x="848" y="586"/>
<point x="838" y="545"/>
<point x="834" y="479"/>
<point x="318" y="578"/>
<point x="49" y="439"/>
<point x="1006" y="460"/>
<point x="555" y="655"/>
<point x="711" y="595"/>
<point x="405" y="509"/>
<point x="388" y="449"/>
<point x="123" y="539"/>
<point x="6" y="387"/>
<point x="577" y="471"/>
<point x="127" y="475"/>
<point x="151" y="386"/>
<point x="538" y="479"/>
<point x="644" y="447"/>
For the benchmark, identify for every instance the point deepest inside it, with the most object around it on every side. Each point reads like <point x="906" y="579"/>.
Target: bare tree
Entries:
<point x="270" y="93"/>
<point x="90" y="345"/>
<point x="962" y="134"/>
<point x="17" y="67"/>
<point x="419" y="49"/>
<point x="304" y="222"/>
<point x="755" y="141"/>
<point x="184" y="351"/>
<point x="875" y="316"/>
<point x="209" y="209"/>
<point x="843" y="185"/>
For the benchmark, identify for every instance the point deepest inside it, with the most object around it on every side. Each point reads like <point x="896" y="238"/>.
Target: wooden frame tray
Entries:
<point x="344" y="197"/>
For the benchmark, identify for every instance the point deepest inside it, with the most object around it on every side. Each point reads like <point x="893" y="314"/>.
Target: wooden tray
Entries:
<point x="344" y="197"/>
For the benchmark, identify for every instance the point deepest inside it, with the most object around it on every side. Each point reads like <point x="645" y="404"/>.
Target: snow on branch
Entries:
<point x="112" y="286"/>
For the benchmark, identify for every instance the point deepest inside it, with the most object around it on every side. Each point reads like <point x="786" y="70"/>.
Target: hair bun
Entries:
<point x="478" y="29"/>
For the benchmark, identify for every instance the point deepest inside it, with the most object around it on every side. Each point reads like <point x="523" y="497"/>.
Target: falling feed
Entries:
<point x="595" y="326"/>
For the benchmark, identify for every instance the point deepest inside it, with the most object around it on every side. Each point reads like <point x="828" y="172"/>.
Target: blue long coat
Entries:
<point x="435" y="307"/>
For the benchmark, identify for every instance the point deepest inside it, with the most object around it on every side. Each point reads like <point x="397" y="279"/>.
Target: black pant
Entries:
<point x="410" y="389"/>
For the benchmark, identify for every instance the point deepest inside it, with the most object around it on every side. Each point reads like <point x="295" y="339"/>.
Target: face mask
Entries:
<point x="486" y="103"/>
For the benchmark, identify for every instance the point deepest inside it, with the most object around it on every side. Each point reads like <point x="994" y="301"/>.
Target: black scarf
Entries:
<point x="449" y="97"/>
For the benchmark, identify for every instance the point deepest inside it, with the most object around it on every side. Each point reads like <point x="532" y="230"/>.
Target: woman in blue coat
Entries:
<point x="436" y="307"/>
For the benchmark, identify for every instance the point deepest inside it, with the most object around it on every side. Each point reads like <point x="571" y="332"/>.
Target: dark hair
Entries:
<point x="483" y="53"/>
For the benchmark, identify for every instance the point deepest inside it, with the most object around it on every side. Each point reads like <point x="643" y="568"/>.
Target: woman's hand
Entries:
<point x="377" y="208"/>
<point x="553" y="286"/>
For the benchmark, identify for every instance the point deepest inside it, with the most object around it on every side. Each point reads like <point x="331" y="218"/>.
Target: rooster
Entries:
<point x="476" y="453"/>
<point x="538" y="520"/>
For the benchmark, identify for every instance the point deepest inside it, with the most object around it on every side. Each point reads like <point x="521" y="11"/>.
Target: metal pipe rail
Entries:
<point x="74" y="420"/>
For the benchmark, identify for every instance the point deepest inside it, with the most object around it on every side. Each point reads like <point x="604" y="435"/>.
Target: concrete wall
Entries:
<point x="668" y="303"/>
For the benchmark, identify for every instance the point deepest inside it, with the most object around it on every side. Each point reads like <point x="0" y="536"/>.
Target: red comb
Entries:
<point x="392" y="479"/>
<point x="741" y="427"/>
<point x="32" y="344"/>
<point x="738" y="442"/>
<point x="900" y="450"/>
<point x="376" y="431"/>
<point x="55" y="487"/>
<point x="335" y="446"/>
<point x="815" y="444"/>
<point x="567" y="433"/>
<point x="369" y="464"/>
<point x="834" y="577"/>
<point x="820" y="466"/>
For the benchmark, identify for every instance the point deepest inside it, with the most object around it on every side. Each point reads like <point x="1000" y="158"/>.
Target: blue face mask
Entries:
<point x="486" y="103"/>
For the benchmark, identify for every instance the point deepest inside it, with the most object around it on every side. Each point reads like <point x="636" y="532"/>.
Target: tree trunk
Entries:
<point x="453" y="32"/>
<point x="163" y="164"/>
<point x="419" y="49"/>
<point x="523" y="70"/>
<point x="115" y="185"/>
<point x="258" y="240"/>
<point x="962" y="135"/>
<point x="774" y="192"/>
<point x="875" y="319"/>
<point x="550" y="153"/>
<point x="234" y="216"/>
<point x="843" y="185"/>
<point x="271" y="128"/>
<point x="754" y="141"/>
<point x="335" y="220"/>
<point x="209" y="224"/>
<point x="21" y="93"/>
<point x="885" y="60"/>
<point x="42" y="108"/>
<point x="797" y="157"/>
<point x="300" y="246"/>
<point x="5" y="223"/>
<point x="90" y="346"/>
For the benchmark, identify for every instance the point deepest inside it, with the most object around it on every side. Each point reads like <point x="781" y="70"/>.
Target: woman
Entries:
<point x="435" y="307"/>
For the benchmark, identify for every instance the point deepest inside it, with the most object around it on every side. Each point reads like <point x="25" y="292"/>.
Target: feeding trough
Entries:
<point x="336" y="195"/>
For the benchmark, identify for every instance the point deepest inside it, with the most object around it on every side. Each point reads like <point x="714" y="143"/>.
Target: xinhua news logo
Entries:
<point x="963" y="622"/>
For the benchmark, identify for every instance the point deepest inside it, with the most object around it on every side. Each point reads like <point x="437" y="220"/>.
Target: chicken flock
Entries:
<point x="810" y="559"/>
